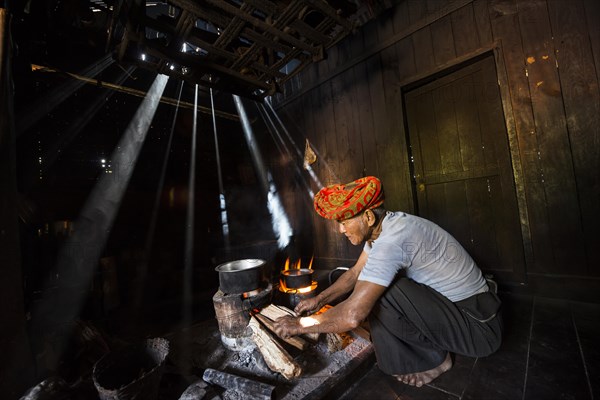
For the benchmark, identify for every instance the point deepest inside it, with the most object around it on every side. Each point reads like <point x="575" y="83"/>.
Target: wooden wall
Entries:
<point x="547" y="52"/>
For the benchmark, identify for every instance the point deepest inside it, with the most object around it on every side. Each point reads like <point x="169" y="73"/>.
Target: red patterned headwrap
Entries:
<point x="341" y="202"/>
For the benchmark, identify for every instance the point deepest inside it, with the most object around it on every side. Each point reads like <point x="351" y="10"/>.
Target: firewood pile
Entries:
<point x="270" y="345"/>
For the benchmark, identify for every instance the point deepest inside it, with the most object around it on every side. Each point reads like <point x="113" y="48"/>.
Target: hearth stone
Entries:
<point x="233" y="314"/>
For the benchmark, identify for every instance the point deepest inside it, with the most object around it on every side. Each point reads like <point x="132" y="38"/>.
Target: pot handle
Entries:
<point x="333" y="271"/>
<point x="260" y="300"/>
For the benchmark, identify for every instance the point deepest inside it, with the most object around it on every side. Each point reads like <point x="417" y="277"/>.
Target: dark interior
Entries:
<point x="120" y="196"/>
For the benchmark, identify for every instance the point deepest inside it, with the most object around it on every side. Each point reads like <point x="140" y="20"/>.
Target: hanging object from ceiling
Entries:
<point x="309" y="155"/>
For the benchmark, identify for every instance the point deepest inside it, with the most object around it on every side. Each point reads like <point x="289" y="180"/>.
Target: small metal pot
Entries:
<point x="297" y="278"/>
<point x="240" y="276"/>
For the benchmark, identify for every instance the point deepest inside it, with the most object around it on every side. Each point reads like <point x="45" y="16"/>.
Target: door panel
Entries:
<point x="462" y="167"/>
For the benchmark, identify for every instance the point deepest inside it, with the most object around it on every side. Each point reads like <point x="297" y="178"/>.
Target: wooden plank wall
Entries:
<point x="548" y="60"/>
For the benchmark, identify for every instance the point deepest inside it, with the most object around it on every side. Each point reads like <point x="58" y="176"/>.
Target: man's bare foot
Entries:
<point x="419" y="379"/>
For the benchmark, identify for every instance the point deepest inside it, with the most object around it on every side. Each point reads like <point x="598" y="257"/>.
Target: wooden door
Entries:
<point x="462" y="168"/>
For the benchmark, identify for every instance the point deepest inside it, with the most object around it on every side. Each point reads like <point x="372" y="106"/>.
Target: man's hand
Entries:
<point x="343" y="317"/>
<point x="286" y="327"/>
<point x="308" y="306"/>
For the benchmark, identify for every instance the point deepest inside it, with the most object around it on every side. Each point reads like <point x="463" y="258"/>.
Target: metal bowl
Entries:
<point x="240" y="276"/>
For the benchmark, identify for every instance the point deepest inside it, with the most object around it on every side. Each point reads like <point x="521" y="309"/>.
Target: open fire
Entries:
<point x="296" y="283"/>
<point x="295" y="279"/>
<point x="246" y="310"/>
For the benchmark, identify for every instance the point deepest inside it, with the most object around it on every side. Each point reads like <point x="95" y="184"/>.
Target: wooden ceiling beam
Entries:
<point x="257" y="23"/>
<point x="331" y="13"/>
<point x="252" y="40"/>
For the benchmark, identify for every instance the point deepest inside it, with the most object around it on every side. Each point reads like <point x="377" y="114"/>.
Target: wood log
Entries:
<point x="274" y="312"/>
<point x="277" y="359"/>
<point x="362" y="332"/>
<point x="253" y="389"/>
<point x="338" y="341"/>
<point x="334" y="341"/>
<point x="295" y="341"/>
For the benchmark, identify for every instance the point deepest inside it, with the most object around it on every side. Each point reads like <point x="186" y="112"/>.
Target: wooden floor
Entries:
<point x="550" y="351"/>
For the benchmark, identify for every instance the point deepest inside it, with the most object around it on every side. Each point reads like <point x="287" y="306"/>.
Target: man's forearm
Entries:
<point x="345" y="316"/>
<point x="343" y="285"/>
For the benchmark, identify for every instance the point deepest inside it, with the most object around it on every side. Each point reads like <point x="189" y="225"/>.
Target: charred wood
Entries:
<point x="277" y="359"/>
<point x="253" y="389"/>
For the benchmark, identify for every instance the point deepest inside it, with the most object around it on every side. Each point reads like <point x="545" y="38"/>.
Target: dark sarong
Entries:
<point x="413" y="327"/>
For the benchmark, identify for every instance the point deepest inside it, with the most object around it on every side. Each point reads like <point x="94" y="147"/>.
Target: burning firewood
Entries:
<point x="274" y="312"/>
<point x="335" y="341"/>
<point x="295" y="341"/>
<point x="277" y="359"/>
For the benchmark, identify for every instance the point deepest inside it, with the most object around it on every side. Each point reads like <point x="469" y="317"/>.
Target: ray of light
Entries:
<point x="222" y="202"/>
<point x="143" y="271"/>
<point x="283" y="148"/>
<point x="279" y="220"/>
<point x="334" y="177"/>
<point x="76" y="125"/>
<point x="190" y="221"/>
<point x="79" y="256"/>
<point x="118" y="87"/>
<point x="310" y="170"/>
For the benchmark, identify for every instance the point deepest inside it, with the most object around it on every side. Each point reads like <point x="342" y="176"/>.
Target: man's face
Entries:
<point x="356" y="229"/>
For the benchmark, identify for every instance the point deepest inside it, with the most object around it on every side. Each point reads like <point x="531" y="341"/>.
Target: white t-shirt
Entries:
<point x="428" y="255"/>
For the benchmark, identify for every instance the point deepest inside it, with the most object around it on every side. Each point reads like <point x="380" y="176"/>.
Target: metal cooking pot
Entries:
<point x="297" y="278"/>
<point x="240" y="276"/>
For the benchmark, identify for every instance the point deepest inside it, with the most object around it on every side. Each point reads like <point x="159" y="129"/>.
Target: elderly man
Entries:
<point x="422" y="293"/>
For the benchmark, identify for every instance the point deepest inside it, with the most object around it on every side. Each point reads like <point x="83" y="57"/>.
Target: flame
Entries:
<point x="287" y="264"/>
<point x="283" y="288"/>
<point x="247" y="295"/>
<point x="323" y="309"/>
<point x="307" y="288"/>
<point x="297" y="264"/>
